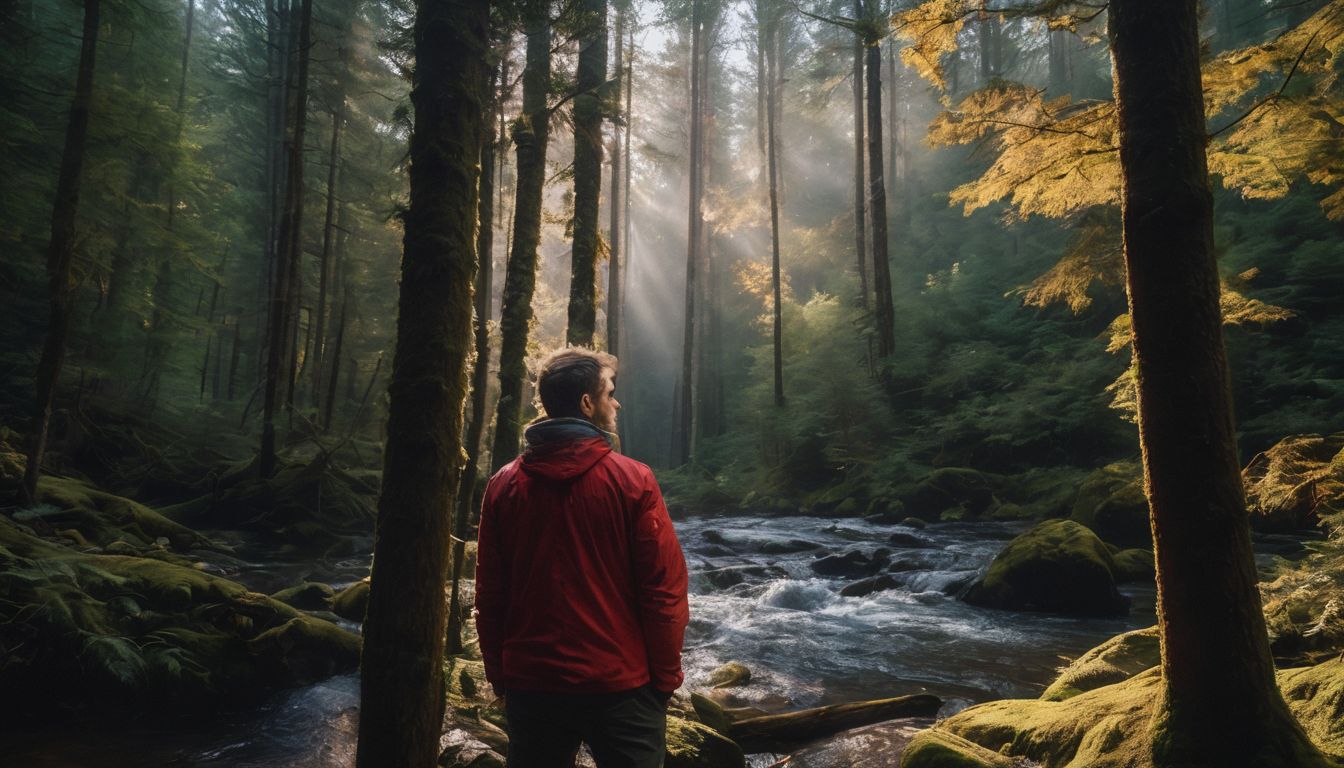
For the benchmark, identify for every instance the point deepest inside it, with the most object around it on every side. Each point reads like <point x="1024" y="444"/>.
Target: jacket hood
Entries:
<point x="564" y="448"/>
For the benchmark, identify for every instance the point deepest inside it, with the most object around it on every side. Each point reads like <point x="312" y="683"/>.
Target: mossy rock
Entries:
<point x="730" y="675"/>
<point x="1110" y="726"/>
<point x="694" y="745"/>
<point x="1117" y="659"/>
<point x="1111" y="502"/>
<point x="949" y="488"/>
<point x="352" y="602"/>
<point x="1057" y="566"/>
<point x="1134" y="565"/>
<point x="133" y="634"/>
<point x="939" y="749"/>
<point x="103" y="518"/>
<point x="308" y="596"/>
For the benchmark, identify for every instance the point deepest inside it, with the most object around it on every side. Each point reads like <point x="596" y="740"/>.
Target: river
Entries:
<point x="755" y="599"/>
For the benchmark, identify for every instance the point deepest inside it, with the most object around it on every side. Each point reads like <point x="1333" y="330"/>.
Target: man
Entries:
<point x="580" y="582"/>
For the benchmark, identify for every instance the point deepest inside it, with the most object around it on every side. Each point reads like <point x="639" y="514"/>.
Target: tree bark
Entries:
<point x="614" y="295"/>
<point x="290" y="241"/>
<point x="877" y="200"/>
<point x="1061" y="62"/>
<point x="773" y="78"/>
<point x="1220" y="704"/>
<point x="401" y="678"/>
<point x="328" y="243"/>
<point x="480" y="372"/>
<point x="61" y="251"/>
<point x="860" y="194"/>
<point x="687" y="400"/>
<point x="530" y="134"/>
<point x="590" y="77"/>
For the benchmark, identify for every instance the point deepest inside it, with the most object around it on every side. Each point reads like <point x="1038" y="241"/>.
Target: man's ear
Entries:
<point x="586" y="405"/>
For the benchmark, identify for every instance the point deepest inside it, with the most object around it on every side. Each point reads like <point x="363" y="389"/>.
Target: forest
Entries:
<point x="989" y="355"/>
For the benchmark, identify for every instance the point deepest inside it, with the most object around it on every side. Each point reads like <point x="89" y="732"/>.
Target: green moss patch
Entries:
<point x="1058" y="565"/>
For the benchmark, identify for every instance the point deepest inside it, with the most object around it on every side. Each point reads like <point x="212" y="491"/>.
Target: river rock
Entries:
<point x="852" y="564"/>
<point x="695" y="745"/>
<point x="1059" y="566"/>
<point x="787" y="547"/>
<point x="1134" y="565"/>
<point x="914" y="522"/>
<point x="958" y="491"/>
<point x="908" y="541"/>
<point x="308" y="596"/>
<point x="351" y="603"/>
<point x="732" y="575"/>
<point x="867" y="586"/>
<point x="730" y="675"/>
<point x="1111" y="502"/>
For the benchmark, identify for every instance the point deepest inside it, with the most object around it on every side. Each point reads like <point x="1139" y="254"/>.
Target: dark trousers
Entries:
<point x="622" y="730"/>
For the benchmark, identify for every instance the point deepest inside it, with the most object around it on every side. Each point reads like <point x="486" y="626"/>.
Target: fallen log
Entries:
<point x="780" y="733"/>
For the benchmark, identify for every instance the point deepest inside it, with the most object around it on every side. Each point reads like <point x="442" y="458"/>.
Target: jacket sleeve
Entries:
<point x="660" y="588"/>
<point x="491" y="588"/>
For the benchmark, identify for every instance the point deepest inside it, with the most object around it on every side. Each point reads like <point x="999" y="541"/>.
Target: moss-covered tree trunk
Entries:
<point x="284" y="309"/>
<point x="860" y="191"/>
<point x="1221" y="706"/>
<point x="401" y="675"/>
<point x="530" y="133"/>
<point x="591" y="74"/>
<point x="61" y="251"/>
<point x="877" y="191"/>
<point x="480" y="371"/>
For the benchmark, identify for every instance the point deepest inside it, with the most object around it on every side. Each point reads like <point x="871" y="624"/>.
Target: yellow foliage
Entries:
<point x="1093" y="257"/>
<point x="1053" y="158"/>
<point x="932" y="29"/>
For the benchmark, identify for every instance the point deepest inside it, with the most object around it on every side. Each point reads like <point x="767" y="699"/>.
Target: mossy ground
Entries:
<point x="125" y="634"/>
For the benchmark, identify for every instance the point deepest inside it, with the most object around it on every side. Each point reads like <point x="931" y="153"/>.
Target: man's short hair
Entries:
<point x="566" y="375"/>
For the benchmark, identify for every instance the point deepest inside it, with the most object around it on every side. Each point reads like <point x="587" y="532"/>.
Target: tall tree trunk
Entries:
<point x="530" y="134"/>
<point x="1061" y="62"/>
<point x="623" y="427"/>
<point x="860" y="193"/>
<point x="1220" y="704"/>
<point x="283" y="309"/>
<point x="328" y="243"/>
<point x="480" y="372"/>
<point x="685" y="411"/>
<point x="335" y="364"/>
<point x="877" y="204"/>
<point x="61" y="252"/>
<point x="401" y="670"/>
<point x="233" y="358"/>
<point x="590" y="77"/>
<point x="614" y="294"/>
<point x="773" y="78"/>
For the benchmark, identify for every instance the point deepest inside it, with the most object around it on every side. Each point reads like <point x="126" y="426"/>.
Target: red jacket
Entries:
<point x="580" y="580"/>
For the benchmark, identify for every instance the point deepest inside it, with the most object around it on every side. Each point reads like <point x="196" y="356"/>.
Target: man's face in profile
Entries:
<point x="601" y="410"/>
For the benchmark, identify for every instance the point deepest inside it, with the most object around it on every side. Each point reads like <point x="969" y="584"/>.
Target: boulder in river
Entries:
<point x="908" y="541"/>
<point x="730" y="675"/>
<point x="868" y="586"/>
<point x="1058" y="566"/>
<point x="1134" y="566"/>
<point x="852" y="564"/>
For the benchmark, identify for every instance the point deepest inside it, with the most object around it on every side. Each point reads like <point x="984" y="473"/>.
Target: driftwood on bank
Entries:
<point x="779" y="733"/>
